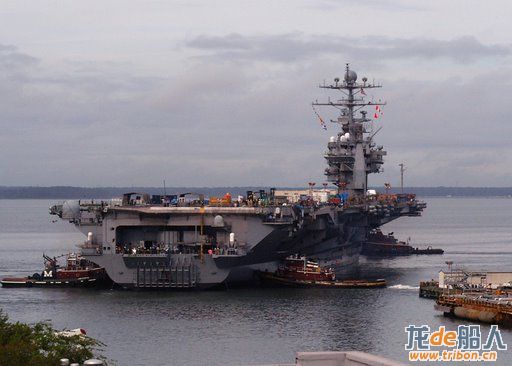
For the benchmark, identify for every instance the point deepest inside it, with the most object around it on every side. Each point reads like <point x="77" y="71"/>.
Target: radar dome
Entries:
<point x="350" y="76"/>
<point x="218" y="221"/>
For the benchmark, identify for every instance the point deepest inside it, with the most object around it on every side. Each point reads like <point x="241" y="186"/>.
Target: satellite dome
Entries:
<point x="218" y="221"/>
<point x="350" y="76"/>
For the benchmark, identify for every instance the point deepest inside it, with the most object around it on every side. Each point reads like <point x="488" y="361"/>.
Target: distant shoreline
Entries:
<point x="70" y="192"/>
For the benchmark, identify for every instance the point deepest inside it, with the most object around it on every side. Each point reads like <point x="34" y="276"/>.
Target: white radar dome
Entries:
<point x="218" y="221"/>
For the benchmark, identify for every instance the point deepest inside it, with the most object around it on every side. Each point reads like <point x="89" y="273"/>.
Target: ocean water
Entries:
<point x="257" y="326"/>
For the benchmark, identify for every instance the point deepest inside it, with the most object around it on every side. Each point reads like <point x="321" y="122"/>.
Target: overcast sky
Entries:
<point x="216" y="93"/>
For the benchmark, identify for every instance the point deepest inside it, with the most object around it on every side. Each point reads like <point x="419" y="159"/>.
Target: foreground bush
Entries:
<point x="40" y="345"/>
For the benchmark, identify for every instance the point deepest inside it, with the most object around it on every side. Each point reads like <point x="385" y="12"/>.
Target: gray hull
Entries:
<point x="327" y="233"/>
<point x="167" y="247"/>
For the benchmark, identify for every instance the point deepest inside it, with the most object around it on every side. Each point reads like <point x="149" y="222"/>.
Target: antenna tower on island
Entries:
<point x="352" y="154"/>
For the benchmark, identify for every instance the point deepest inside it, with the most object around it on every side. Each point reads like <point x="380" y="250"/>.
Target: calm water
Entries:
<point x="243" y="327"/>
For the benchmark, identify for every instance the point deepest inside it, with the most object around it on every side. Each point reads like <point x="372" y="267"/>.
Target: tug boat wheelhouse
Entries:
<point x="303" y="269"/>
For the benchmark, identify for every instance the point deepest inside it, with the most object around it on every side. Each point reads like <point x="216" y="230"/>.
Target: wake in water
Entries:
<point x="404" y="287"/>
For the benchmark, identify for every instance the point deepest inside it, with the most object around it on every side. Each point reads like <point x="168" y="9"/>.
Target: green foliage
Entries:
<point x="40" y="345"/>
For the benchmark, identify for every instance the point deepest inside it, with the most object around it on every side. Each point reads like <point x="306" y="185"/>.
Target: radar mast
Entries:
<point x="351" y="154"/>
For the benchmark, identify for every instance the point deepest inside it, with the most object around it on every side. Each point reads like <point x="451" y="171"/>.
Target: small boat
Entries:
<point x="78" y="272"/>
<point x="81" y="332"/>
<point x="300" y="272"/>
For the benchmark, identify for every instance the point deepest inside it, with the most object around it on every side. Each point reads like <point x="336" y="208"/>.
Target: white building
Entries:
<point x="460" y="277"/>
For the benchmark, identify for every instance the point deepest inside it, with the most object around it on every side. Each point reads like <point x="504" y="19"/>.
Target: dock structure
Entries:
<point x="431" y="290"/>
<point x="457" y="281"/>
<point x="470" y="280"/>
<point x="495" y="309"/>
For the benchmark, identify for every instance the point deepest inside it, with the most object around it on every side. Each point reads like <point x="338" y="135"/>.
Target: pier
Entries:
<point x="495" y="309"/>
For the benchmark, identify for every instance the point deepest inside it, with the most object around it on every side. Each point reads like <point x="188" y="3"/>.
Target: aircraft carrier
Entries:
<point x="192" y="241"/>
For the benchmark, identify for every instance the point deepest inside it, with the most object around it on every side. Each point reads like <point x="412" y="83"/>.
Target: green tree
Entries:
<point x="41" y="345"/>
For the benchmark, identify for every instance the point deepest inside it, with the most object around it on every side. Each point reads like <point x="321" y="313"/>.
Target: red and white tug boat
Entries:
<point x="78" y="272"/>
<point x="301" y="272"/>
<point x="304" y="270"/>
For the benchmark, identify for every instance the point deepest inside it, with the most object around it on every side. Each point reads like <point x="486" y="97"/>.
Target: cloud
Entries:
<point x="11" y="59"/>
<point x="242" y="123"/>
<point x="385" y="5"/>
<point x="448" y="131"/>
<point x="299" y="47"/>
<point x="213" y="124"/>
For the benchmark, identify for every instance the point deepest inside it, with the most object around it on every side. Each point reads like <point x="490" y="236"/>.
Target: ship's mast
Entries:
<point x="351" y="154"/>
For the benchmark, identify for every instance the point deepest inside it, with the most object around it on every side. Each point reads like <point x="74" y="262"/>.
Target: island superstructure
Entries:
<point x="351" y="154"/>
<point x="191" y="241"/>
